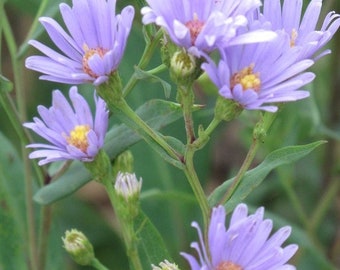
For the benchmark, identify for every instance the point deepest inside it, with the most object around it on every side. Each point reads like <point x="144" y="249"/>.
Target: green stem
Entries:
<point x="212" y="126"/>
<point x="9" y="107"/>
<point x="16" y="65"/>
<point x="195" y="184"/>
<point x="245" y="165"/>
<point x="144" y="61"/>
<point x="204" y="135"/>
<point x="157" y="70"/>
<point x="45" y="227"/>
<point x="186" y="98"/>
<point x="324" y="205"/>
<point x="259" y="133"/>
<point x="12" y="114"/>
<point x="98" y="265"/>
<point x="34" y="25"/>
<point x="111" y="93"/>
<point x="2" y="12"/>
<point x="137" y="120"/>
<point x="102" y="171"/>
<point x="293" y="198"/>
<point x="126" y="227"/>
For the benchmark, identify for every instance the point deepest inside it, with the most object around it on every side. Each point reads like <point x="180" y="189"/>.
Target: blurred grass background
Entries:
<point x="166" y="196"/>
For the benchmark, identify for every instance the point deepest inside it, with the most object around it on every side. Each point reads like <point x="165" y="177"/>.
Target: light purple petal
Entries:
<point x="91" y="25"/>
<point x="245" y="242"/>
<point x="58" y="122"/>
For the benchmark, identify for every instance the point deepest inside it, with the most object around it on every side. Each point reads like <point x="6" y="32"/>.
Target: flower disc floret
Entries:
<point x="91" y="48"/>
<point x="72" y="131"/>
<point x="78" y="137"/>
<point x="89" y="53"/>
<point x="195" y="27"/>
<point x="228" y="266"/>
<point x="246" y="244"/>
<point x="247" y="79"/>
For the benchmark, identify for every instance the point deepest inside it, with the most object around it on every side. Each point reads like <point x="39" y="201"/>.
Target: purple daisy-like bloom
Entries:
<point x="245" y="245"/>
<point x="93" y="47"/>
<point x="72" y="131"/>
<point x="302" y="27"/>
<point x="254" y="75"/>
<point x="201" y="26"/>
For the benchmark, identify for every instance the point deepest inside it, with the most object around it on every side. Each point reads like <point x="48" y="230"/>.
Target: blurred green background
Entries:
<point x="166" y="196"/>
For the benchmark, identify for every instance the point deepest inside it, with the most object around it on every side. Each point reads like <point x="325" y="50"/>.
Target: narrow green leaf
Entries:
<point x="12" y="255"/>
<point x="12" y="208"/>
<point x="157" y="113"/>
<point x="5" y="84"/>
<point x="38" y="9"/>
<point x="150" y="243"/>
<point x="254" y="177"/>
<point x="144" y="75"/>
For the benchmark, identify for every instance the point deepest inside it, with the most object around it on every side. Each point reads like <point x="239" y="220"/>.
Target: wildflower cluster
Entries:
<point x="256" y="53"/>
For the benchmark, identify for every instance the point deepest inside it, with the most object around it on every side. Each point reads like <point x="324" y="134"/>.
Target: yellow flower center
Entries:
<point x="78" y="137"/>
<point x="247" y="79"/>
<point x="195" y="27"/>
<point x="228" y="266"/>
<point x="293" y="37"/>
<point x="88" y="53"/>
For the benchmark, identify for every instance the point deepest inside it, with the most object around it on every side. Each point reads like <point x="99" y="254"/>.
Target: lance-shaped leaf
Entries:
<point x="151" y="246"/>
<point x="254" y="177"/>
<point x="12" y="208"/>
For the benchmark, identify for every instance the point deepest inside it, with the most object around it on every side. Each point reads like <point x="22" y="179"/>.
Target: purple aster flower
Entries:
<point x="93" y="47"/>
<point x="71" y="130"/>
<point x="302" y="28"/>
<point x="200" y="26"/>
<point x="245" y="245"/>
<point x="254" y="75"/>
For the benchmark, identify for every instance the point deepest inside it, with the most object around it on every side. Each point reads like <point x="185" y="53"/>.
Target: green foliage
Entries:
<point x="168" y="204"/>
<point x="12" y="209"/>
<point x="254" y="177"/>
<point x="150" y="243"/>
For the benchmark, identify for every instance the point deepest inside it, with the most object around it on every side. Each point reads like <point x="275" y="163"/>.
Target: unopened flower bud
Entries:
<point x="128" y="186"/>
<point x="79" y="247"/>
<point x="165" y="265"/>
<point x="183" y="67"/>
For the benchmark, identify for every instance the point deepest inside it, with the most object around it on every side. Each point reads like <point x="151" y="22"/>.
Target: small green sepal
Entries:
<point x="100" y="167"/>
<point x="112" y="90"/>
<point x="227" y="109"/>
<point x="123" y="163"/>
